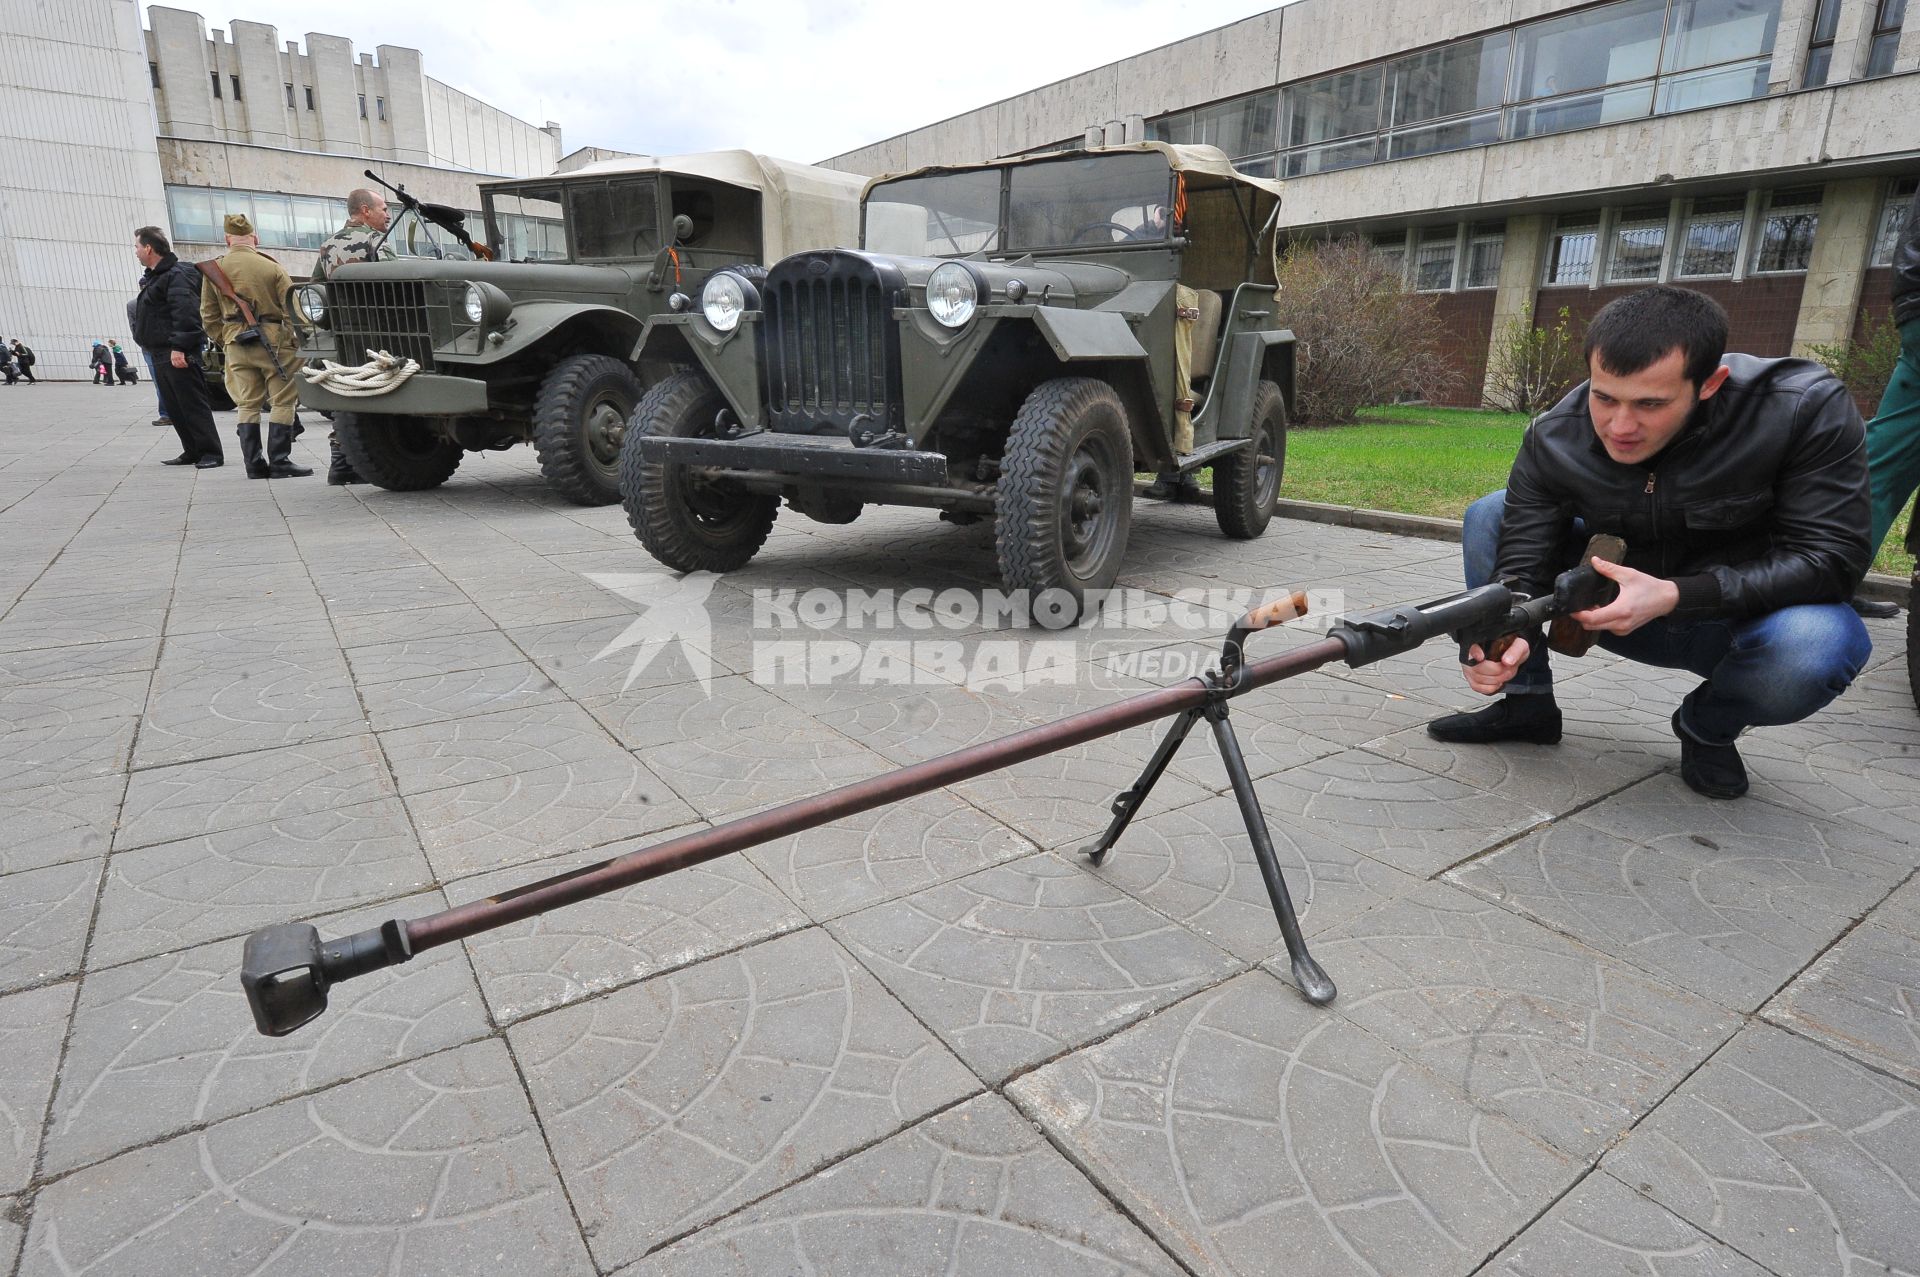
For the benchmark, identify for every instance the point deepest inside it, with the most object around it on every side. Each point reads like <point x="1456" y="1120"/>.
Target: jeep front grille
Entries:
<point x="386" y="314"/>
<point x="832" y="349"/>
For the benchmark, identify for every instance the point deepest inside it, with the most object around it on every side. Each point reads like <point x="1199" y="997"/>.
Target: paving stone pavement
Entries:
<point x="1587" y="1023"/>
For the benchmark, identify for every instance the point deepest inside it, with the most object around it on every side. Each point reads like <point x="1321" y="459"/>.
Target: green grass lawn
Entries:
<point x="1435" y="461"/>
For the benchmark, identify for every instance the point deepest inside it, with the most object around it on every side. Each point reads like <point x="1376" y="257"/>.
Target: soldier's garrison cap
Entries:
<point x="237" y="224"/>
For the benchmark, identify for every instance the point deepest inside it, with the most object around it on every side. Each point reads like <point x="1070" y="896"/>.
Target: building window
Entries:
<point x="363" y="106"/>
<point x="1570" y="255"/>
<point x="1639" y="245"/>
<point x="1711" y="244"/>
<point x="1485" y="250"/>
<point x="1826" y="21"/>
<point x="1785" y="240"/>
<point x="216" y="83"/>
<point x="380" y="108"/>
<point x="1391" y="248"/>
<point x="289" y="97"/>
<point x="1893" y="222"/>
<point x="153" y="73"/>
<point x="309" y="89"/>
<point x="1334" y="122"/>
<point x="236" y="86"/>
<point x="1433" y="260"/>
<point x="1886" y="36"/>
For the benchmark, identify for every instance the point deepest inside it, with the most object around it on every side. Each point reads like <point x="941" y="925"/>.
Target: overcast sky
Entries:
<point x="798" y="79"/>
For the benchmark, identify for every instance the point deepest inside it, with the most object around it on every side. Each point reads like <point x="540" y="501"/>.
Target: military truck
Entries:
<point x="541" y="345"/>
<point x="1012" y="340"/>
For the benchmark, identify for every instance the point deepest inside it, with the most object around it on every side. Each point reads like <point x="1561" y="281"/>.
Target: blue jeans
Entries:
<point x="154" y="377"/>
<point x="1777" y="668"/>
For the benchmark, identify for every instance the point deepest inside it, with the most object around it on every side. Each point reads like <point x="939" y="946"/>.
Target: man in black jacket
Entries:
<point x="166" y="323"/>
<point x="1740" y="488"/>
<point x="1893" y="436"/>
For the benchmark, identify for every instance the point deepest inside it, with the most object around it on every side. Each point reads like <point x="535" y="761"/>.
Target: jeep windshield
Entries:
<point x="615" y="219"/>
<point x="1077" y="202"/>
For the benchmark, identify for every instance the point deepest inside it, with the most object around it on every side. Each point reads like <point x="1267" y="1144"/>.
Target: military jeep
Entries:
<point x="1013" y="340"/>
<point x="540" y="345"/>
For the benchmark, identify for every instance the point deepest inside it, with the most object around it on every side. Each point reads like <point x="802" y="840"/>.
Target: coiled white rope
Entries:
<point x="379" y="375"/>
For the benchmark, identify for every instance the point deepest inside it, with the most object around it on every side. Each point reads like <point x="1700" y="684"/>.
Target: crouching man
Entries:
<point x="1740" y="487"/>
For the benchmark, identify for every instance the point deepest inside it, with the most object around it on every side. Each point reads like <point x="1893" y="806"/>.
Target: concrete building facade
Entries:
<point x="247" y="123"/>
<point x="78" y="171"/>
<point x="1520" y="157"/>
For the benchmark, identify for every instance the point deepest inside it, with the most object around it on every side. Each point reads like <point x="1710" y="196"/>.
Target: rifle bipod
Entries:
<point x="287" y="969"/>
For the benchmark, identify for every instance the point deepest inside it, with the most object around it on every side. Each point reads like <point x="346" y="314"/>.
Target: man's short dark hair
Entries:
<point x="1635" y="332"/>
<point x="154" y="238"/>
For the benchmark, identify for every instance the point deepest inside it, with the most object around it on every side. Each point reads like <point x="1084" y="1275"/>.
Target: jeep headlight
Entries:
<point x="475" y="305"/>
<point x="312" y="300"/>
<point x="485" y="306"/>
<point x="952" y="294"/>
<point x="723" y="300"/>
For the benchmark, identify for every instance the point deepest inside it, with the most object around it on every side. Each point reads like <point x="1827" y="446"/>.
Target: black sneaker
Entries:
<point x="1713" y="770"/>
<point x="1874" y="609"/>
<point x="1534" y="719"/>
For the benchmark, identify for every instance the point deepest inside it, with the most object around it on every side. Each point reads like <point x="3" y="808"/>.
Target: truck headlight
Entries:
<point x="312" y="300"/>
<point x="952" y="294"/>
<point x="485" y="306"/>
<point x="723" y="300"/>
<point x="476" y="305"/>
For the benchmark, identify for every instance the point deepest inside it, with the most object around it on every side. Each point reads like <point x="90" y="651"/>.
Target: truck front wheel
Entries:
<point x="578" y="422"/>
<point x="400" y="454"/>
<point x="1064" y="502"/>
<point x="686" y="520"/>
<point x="1246" y="484"/>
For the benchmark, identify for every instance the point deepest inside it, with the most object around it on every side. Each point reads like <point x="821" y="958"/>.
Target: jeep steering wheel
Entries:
<point x="1126" y="232"/>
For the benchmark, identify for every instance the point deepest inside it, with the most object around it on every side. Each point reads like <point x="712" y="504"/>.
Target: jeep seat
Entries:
<point x="1206" y="335"/>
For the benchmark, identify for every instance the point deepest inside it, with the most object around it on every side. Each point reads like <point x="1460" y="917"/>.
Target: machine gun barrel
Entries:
<point x="450" y="220"/>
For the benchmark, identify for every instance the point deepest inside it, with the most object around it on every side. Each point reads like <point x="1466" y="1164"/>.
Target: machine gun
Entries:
<point x="449" y="219"/>
<point x="287" y="969"/>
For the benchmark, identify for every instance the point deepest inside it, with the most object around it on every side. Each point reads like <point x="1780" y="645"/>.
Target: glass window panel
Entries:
<point x="1391" y="248"/>
<point x="1325" y="159"/>
<point x="1785" y="242"/>
<point x="945" y="215"/>
<point x="1086" y="201"/>
<point x="1570" y="255"/>
<point x="1579" y="111"/>
<point x="1468" y="75"/>
<point x="1819" y="64"/>
<point x="228" y="202"/>
<point x="1585" y="50"/>
<point x="1737" y="83"/>
<point x="620" y="220"/>
<point x="1893" y="15"/>
<point x="311" y="225"/>
<point x="1703" y="32"/>
<point x="1477" y="130"/>
<point x="1242" y="127"/>
<point x="1433" y="261"/>
<point x="1893" y="222"/>
<point x="273" y="220"/>
<point x="1639" y="244"/>
<point x="1711" y="244"/>
<point x="1263" y="167"/>
<point x="1826" y="20"/>
<point x="1335" y="106"/>
<point x="192" y="214"/>
<point x="1881" y="53"/>
<point x="1177" y="129"/>
<point x="1484" y="254"/>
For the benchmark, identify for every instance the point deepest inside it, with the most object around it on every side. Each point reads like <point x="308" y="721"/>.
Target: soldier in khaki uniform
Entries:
<point x="362" y="239"/>
<point x="259" y="373"/>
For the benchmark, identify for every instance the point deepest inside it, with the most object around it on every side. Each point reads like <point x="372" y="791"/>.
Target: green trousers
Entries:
<point x="1893" y="438"/>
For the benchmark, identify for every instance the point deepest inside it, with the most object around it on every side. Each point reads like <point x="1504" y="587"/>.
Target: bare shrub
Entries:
<point x="1864" y="366"/>
<point x="1363" y="338"/>
<point x="1528" y="367"/>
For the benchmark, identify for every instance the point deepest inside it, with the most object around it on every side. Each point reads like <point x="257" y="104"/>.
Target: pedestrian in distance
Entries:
<point x="24" y="357"/>
<point x="243" y="307"/>
<point x="362" y="239"/>
<point x="101" y="361"/>
<point x="166" y="324"/>
<point x="1739" y="486"/>
<point x="6" y="366"/>
<point x="121" y="368"/>
<point x="1893" y="436"/>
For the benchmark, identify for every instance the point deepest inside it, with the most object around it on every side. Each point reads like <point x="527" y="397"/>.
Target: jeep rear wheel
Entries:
<point x="1246" y="484"/>
<point x="1064" y="502"/>
<point x="578" y="423"/>
<point x="688" y="521"/>
<point x="400" y="454"/>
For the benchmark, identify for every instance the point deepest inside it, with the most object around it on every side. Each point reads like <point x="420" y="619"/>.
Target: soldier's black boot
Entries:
<point x="249" y="432"/>
<point x="339" y="471"/>
<point x="280" y="453"/>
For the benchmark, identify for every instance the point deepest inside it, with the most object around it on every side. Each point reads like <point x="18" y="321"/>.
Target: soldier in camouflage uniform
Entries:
<point x="362" y="239"/>
<point x="259" y="375"/>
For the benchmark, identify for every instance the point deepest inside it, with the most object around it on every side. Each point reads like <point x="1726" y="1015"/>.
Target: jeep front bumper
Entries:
<point x="828" y="458"/>
<point x="425" y="394"/>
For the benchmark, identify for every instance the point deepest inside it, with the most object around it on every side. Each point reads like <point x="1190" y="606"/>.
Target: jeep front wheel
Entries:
<point x="688" y="521"/>
<point x="1246" y="484"/>
<point x="400" y="454"/>
<point x="578" y="423"/>
<point x="1064" y="502"/>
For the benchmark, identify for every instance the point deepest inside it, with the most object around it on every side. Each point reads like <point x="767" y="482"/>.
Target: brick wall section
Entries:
<point x="1464" y="322"/>
<point x="1760" y="312"/>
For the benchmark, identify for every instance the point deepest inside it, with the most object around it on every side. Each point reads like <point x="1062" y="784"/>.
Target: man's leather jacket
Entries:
<point x="1759" y="503"/>
<point x="1906" y="268"/>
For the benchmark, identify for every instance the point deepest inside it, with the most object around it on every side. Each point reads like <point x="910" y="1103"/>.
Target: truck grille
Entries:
<point x="389" y="315"/>
<point x="832" y="349"/>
